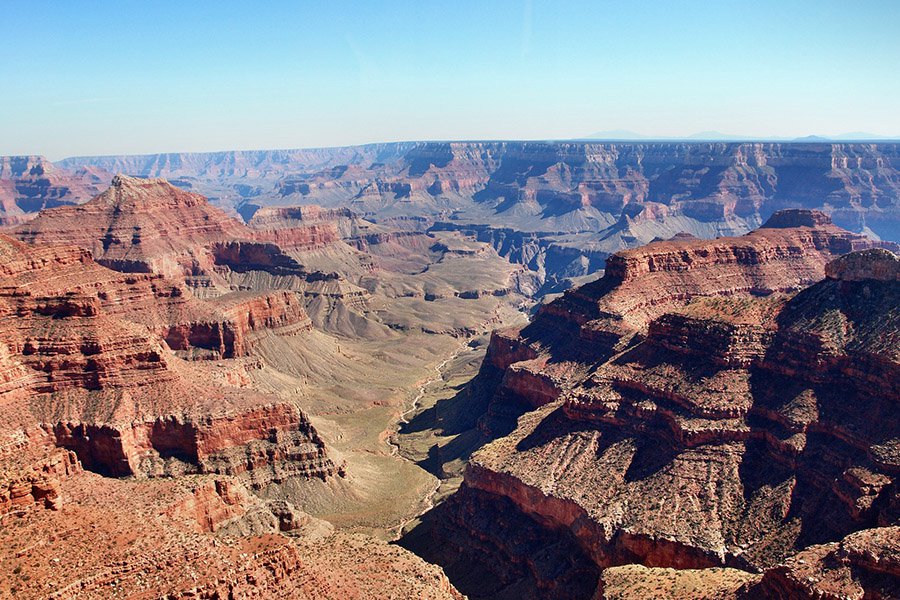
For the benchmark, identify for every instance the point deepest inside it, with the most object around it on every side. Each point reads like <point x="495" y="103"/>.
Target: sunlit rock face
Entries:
<point x="705" y="404"/>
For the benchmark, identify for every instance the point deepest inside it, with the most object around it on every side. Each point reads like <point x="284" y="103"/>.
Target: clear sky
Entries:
<point x="96" y="77"/>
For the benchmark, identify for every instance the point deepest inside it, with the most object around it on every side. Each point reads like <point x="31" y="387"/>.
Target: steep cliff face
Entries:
<point x="63" y="279"/>
<point x="560" y="208"/>
<point x="38" y="484"/>
<point x="260" y="443"/>
<point x="150" y="226"/>
<point x="142" y="225"/>
<point x="711" y="417"/>
<point x="555" y="259"/>
<point x="641" y="284"/>
<point x="242" y="164"/>
<point x="85" y="358"/>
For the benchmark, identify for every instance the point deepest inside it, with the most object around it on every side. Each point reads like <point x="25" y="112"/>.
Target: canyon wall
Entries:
<point x="626" y="188"/>
<point x="88" y="356"/>
<point x="680" y="415"/>
<point x="561" y="208"/>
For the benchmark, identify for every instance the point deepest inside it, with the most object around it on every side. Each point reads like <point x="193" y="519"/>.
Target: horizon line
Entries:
<point x="811" y="139"/>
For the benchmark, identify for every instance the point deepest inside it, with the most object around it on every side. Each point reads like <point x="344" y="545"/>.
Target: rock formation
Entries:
<point x="153" y="354"/>
<point x="87" y="360"/>
<point x="29" y="184"/>
<point x="560" y="208"/>
<point x="705" y="404"/>
<point x="150" y="226"/>
<point x="201" y="538"/>
<point x="626" y="188"/>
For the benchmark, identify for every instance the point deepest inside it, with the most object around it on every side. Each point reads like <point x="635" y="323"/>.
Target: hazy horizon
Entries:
<point x="119" y="79"/>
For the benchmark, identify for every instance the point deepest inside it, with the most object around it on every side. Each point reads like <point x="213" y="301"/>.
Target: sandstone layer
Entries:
<point x="706" y="404"/>
<point x="87" y="361"/>
<point x="151" y="226"/>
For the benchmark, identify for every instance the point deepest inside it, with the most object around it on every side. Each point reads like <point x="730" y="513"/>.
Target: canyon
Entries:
<point x="163" y="359"/>
<point x="498" y="369"/>
<point x="560" y="208"/>
<point x="722" y="407"/>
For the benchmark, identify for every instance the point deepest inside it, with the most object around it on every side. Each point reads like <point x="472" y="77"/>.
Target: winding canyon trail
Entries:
<point x="393" y="438"/>
<point x="422" y="390"/>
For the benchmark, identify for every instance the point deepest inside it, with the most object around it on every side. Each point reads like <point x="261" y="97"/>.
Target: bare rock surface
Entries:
<point x="706" y="404"/>
<point x="559" y="208"/>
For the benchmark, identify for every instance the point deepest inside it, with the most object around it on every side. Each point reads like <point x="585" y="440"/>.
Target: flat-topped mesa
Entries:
<point x="291" y="216"/>
<point x="796" y="217"/>
<point x="876" y="264"/>
<point x="306" y="237"/>
<point x="307" y="227"/>
<point x="794" y="236"/>
<point x="640" y="284"/>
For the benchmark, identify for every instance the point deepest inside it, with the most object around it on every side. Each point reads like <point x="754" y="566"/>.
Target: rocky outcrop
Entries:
<point x="265" y="444"/>
<point x="642" y="284"/>
<point x="560" y="208"/>
<point x="37" y="484"/>
<point x="83" y="358"/>
<point x="865" y="564"/>
<point x="199" y="538"/>
<point x="876" y="264"/>
<point x="722" y="419"/>
<point x="302" y="238"/>
<point x="150" y="226"/>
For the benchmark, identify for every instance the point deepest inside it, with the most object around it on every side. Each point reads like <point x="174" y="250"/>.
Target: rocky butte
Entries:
<point x="720" y="411"/>
<point x="150" y="226"/>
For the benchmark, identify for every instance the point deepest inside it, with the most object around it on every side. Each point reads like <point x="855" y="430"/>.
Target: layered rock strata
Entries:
<point x="691" y="416"/>
<point x="593" y="322"/>
<point x="85" y="358"/>
<point x="150" y="226"/>
<point x="633" y="191"/>
<point x="29" y="184"/>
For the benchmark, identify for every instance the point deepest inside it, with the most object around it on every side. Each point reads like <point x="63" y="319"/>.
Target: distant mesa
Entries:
<point x="797" y="217"/>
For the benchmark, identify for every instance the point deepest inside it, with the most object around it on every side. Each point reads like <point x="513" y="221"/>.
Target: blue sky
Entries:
<point x="131" y="77"/>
